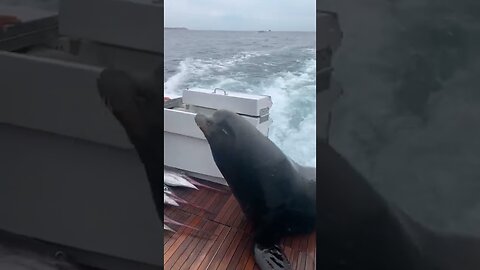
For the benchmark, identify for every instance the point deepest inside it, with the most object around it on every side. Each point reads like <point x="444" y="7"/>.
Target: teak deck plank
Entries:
<point x="222" y="249"/>
<point x="225" y="239"/>
<point x="202" y="242"/>
<point x="214" y="250"/>
<point x="187" y="251"/>
<point x="209" y="245"/>
<point x="242" y="262"/>
<point x="237" y="255"/>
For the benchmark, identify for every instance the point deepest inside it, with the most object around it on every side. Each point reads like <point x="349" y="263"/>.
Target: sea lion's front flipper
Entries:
<point x="271" y="257"/>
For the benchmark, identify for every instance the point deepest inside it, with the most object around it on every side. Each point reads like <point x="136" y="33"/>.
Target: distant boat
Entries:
<point x="263" y="31"/>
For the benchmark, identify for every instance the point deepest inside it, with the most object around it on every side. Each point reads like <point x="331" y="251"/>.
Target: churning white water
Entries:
<point x="278" y="64"/>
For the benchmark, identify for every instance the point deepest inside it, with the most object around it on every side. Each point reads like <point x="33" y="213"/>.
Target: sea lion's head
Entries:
<point x="220" y="129"/>
<point x="232" y="137"/>
<point x="137" y="103"/>
<point x="236" y="143"/>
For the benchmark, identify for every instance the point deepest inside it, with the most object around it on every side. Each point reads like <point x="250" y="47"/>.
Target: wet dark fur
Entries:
<point x="273" y="195"/>
<point x="138" y="105"/>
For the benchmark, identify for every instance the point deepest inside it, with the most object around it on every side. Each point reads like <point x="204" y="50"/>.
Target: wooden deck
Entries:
<point x="225" y="240"/>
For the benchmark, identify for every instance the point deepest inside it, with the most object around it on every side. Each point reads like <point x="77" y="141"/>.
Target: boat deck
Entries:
<point x="225" y="237"/>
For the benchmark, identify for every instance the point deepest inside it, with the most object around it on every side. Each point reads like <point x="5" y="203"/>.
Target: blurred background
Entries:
<point x="409" y="118"/>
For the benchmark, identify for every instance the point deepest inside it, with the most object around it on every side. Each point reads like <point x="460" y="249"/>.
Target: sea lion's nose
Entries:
<point x="199" y="118"/>
<point x="201" y="121"/>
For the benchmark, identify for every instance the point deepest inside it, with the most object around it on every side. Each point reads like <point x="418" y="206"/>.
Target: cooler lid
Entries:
<point x="22" y="27"/>
<point x="241" y="103"/>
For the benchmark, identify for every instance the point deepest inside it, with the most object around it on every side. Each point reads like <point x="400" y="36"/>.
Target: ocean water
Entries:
<point x="279" y="64"/>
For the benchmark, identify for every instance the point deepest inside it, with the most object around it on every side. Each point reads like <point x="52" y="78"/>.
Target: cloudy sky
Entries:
<point x="276" y="15"/>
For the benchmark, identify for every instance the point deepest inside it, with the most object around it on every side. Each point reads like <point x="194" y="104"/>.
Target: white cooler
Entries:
<point x="186" y="148"/>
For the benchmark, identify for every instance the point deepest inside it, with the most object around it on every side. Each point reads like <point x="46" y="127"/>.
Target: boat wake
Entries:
<point x="290" y="81"/>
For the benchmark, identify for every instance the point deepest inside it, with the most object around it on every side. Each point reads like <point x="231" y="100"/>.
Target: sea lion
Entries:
<point x="137" y="103"/>
<point x="276" y="194"/>
<point x="329" y="90"/>
<point x="358" y="229"/>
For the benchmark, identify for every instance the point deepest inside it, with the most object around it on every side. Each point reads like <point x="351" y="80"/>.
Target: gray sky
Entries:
<point x="276" y="15"/>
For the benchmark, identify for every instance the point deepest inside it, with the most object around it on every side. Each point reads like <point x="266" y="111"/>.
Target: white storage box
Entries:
<point x="186" y="148"/>
<point x="37" y="26"/>
<point x="136" y="24"/>
<point x="246" y="104"/>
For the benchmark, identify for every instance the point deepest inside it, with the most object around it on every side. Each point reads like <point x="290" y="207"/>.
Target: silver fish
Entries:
<point x="176" y="180"/>
<point x="168" y="200"/>
<point x="165" y="227"/>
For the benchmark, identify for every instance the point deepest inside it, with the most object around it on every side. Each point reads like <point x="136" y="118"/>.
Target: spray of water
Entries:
<point x="292" y="90"/>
